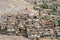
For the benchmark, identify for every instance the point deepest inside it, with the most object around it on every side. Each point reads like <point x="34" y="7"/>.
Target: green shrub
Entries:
<point x="45" y="6"/>
<point x="54" y="9"/>
<point x="58" y="22"/>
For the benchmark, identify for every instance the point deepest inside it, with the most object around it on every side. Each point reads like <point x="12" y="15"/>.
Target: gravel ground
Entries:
<point x="6" y="37"/>
<point x="47" y="38"/>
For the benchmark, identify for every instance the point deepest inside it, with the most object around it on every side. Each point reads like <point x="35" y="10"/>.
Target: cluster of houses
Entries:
<point x="28" y="25"/>
<point x="48" y="19"/>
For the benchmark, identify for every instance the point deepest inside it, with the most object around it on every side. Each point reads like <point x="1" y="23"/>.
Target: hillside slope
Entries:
<point x="15" y="6"/>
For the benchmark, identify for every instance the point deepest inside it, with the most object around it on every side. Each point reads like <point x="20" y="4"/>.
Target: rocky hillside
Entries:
<point x="15" y="6"/>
